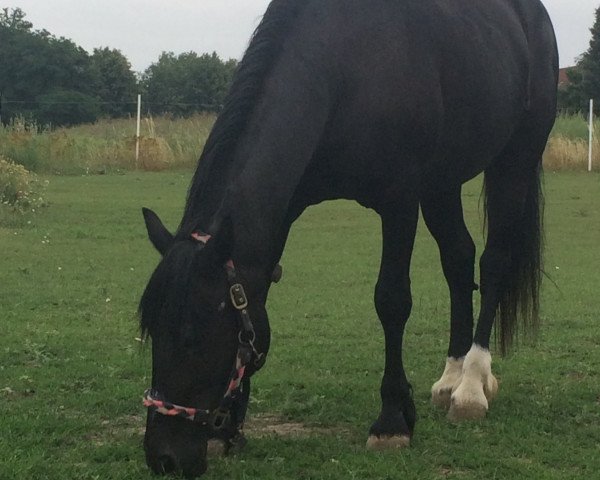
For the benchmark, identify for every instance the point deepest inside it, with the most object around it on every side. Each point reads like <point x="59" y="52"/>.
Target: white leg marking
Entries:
<point x="442" y="389"/>
<point x="470" y="397"/>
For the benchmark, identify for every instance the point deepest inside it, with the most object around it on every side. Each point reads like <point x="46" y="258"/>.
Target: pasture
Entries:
<point x="72" y="369"/>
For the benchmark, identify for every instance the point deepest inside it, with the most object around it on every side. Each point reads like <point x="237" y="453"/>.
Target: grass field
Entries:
<point x="72" y="370"/>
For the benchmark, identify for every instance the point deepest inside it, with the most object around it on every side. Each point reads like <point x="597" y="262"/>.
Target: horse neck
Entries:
<point x="273" y="153"/>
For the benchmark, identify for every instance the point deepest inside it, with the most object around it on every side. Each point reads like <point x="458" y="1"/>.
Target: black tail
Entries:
<point x="518" y="309"/>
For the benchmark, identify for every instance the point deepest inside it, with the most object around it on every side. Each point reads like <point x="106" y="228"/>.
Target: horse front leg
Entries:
<point x="395" y="425"/>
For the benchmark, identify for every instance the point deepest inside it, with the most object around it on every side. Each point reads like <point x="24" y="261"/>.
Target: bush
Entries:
<point x="64" y="108"/>
<point x="20" y="189"/>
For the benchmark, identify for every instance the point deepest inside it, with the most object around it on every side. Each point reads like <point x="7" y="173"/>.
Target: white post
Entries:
<point x="591" y="132"/>
<point x="137" y="135"/>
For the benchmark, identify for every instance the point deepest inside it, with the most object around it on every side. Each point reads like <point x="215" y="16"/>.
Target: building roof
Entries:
<point x="563" y="76"/>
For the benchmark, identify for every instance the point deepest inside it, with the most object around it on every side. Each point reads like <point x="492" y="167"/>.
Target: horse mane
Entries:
<point x="168" y="287"/>
<point x="263" y="51"/>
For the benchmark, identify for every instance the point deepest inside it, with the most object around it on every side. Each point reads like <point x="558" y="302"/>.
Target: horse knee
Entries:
<point x="393" y="302"/>
<point x="465" y="251"/>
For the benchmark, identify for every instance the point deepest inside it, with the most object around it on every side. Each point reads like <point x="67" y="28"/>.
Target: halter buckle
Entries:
<point x="221" y="418"/>
<point x="238" y="296"/>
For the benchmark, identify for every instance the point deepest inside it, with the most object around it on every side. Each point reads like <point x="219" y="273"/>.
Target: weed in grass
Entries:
<point x="20" y="193"/>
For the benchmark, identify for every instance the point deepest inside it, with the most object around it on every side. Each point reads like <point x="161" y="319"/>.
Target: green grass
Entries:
<point x="72" y="371"/>
<point x="573" y="127"/>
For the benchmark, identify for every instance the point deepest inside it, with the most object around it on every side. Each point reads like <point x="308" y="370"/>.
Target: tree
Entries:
<point x="572" y="98"/>
<point x="187" y="83"/>
<point x="115" y="83"/>
<point x="36" y="63"/>
<point x="15" y="39"/>
<point x="64" y="108"/>
<point x="14" y="19"/>
<point x="584" y="78"/>
<point x="37" y="68"/>
<point x="590" y="63"/>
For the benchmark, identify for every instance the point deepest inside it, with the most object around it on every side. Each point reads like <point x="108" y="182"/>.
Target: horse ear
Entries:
<point x="160" y="237"/>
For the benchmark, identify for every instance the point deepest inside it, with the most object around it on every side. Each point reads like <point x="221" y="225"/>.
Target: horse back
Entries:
<point x="425" y="85"/>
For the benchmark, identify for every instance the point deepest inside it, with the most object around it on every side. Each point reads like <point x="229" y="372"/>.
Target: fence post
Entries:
<point x="137" y="135"/>
<point x="591" y="134"/>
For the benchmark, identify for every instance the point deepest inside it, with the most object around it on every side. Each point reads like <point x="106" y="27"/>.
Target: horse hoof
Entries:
<point x="441" y="391"/>
<point x="237" y="444"/>
<point x="387" y="442"/>
<point x="490" y="389"/>
<point x="441" y="398"/>
<point x="459" y="412"/>
<point x="216" y="448"/>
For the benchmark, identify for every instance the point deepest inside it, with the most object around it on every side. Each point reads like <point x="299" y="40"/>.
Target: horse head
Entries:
<point x="204" y="347"/>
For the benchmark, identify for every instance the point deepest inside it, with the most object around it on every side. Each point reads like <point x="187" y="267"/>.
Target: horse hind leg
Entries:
<point x="510" y="269"/>
<point x="395" y="425"/>
<point x="443" y="215"/>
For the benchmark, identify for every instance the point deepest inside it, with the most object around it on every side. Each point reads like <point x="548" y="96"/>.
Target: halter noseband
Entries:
<point x="220" y="417"/>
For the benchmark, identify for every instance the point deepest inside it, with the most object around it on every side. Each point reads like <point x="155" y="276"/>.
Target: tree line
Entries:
<point x="52" y="81"/>
<point x="584" y="78"/>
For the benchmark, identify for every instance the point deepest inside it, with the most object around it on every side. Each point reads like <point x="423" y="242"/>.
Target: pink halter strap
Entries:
<point x="201" y="237"/>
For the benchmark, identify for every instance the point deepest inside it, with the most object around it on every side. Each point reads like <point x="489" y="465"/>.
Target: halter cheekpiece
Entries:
<point x="221" y="416"/>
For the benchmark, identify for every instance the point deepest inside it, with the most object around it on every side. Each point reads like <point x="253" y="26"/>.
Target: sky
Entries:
<point x="142" y="29"/>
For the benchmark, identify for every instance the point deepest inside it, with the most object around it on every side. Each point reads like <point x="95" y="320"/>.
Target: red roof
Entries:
<point x="563" y="77"/>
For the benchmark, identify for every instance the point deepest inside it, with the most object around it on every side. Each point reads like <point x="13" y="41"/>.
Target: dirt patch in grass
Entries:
<point x="122" y="427"/>
<point x="260" y="425"/>
<point x="270" y="425"/>
<point x="266" y="424"/>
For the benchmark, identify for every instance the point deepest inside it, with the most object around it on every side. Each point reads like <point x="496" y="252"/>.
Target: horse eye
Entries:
<point x="222" y="306"/>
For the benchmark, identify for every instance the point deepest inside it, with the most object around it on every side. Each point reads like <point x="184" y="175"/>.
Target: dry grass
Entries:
<point x="568" y="145"/>
<point x="108" y="145"/>
<point x="169" y="143"/>
<point x="563" y="153"/>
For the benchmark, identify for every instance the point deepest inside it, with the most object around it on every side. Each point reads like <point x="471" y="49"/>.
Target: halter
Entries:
<point x="221" y="416"/>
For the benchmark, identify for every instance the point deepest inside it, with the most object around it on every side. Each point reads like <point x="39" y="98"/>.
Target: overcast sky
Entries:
<point x="142" y="29"/>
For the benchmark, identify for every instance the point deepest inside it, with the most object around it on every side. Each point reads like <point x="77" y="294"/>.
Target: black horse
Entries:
<point x="394" y="104"/>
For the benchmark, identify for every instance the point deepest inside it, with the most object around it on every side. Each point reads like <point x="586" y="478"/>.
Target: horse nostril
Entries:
<point x="167" y="464"/>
